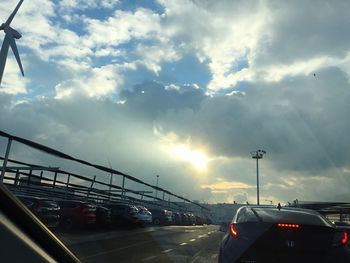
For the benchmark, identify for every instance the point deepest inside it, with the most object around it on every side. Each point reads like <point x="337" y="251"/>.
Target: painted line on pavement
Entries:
<point x="167" y="250"/>
<point x="192" y="240"/>
<point x="149" y="258"/>
<point x="183" y="244"/>
<point x="116" y="250"/>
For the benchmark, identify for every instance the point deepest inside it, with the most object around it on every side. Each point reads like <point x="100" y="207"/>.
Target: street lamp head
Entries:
<point x="257" y="154"/>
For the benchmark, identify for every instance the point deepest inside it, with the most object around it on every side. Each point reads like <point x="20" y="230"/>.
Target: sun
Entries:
<point x="197" y="158"/>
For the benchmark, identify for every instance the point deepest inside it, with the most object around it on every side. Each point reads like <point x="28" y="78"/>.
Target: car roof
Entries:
<point x="72" y="201"/>
<point x="272" y="214"/>
<point x="34" y="197"/>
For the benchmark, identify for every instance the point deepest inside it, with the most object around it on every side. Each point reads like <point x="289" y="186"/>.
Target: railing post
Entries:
<point x="68" y="178"/>
<point x="92" y="184"/>
<point x="16" y="178"/>
<point x="4" y="162"/>
<point x="110" y="186"/>
<point x="54" y="180"/>
<point x="123" y="192"/>
<point x="41" y="177"/>
<point x="29" y="176"/>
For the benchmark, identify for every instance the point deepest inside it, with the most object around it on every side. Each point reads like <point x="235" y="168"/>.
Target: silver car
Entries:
<point x="143" y="215"/>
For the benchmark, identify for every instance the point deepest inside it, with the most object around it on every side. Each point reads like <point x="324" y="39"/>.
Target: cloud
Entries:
<point x="121" y="27"/>
<point x="88" y="4"/>
<point x="220" y="186"/>
<point x="100" y="82"/>
<point x="12" y="81"/>
<point x="298" y="122"/>
<point x="261" y="91"/>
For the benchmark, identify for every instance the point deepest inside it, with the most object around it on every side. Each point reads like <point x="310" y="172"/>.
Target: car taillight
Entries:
<point x="340" y="238"/>
<point x="345" y="238"/>
<point x="233" y="230"/>
<point x="288" y="225"/>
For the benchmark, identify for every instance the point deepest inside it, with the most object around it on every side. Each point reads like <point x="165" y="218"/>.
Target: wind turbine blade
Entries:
<point x="3" y="56"/>
<point x="9" y="20"/>
<point x="15" y="52"/>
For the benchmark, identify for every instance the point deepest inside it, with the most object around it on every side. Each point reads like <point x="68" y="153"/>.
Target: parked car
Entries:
<point x="103" y="216"/>
<point x="76" y="214"/>
<point x="161" y="216"/>
<point x="207" y="221"/>
<point x="268" y="234"/>
<point x="144" y="216"/>
<point x="45" y="209"/>
<point x="177" y="218"/>
<point x="123" y="214"/>
<point x="185" y="220"/>
<point x="199" y="220"/>
<point x="191" y="219"/>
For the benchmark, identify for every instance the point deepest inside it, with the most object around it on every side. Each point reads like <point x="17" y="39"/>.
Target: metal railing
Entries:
<point x="27" y="178"/>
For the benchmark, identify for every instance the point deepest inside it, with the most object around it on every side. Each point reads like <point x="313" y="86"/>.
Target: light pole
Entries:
<point x="257" y="155"/>
<point x="157" y="185"/>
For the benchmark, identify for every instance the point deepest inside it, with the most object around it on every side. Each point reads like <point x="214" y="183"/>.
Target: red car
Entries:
<point x="76" y="214"/>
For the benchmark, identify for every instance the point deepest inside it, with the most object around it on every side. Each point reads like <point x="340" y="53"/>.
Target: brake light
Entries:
<point x="233" y="230"/>
<point x="288" y="225"/>
<point x="345" y="238"/>
<point x="340" y="238"/>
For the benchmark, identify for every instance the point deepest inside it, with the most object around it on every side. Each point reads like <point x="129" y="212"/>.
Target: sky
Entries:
<point x="187" y="89"/>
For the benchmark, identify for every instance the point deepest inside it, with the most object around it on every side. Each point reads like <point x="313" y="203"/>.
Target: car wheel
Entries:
<point x="156" y="221"/>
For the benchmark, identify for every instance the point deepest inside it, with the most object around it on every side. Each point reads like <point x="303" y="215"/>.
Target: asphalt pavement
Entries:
<point x="149" y="244"/>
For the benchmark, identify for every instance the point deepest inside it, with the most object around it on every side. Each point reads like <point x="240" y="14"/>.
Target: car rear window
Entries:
<point x="67" y="205"/>
<point x="282" y="216"/>
<point x="49" y="203"/>
<point x="28" y="203"/>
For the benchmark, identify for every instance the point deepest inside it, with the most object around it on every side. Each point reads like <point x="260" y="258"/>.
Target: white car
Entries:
<point x="143" y="215"/>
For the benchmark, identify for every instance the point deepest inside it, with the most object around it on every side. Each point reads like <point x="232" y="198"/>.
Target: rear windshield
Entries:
<point x="49" y="203"/>
<point x="282" y="216"/>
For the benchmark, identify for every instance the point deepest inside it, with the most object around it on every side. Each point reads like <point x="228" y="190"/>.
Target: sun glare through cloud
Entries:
<point x="198" y="159"/>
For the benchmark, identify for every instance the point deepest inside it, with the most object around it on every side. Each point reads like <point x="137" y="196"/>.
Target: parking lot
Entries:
<point x="147" y="244"/>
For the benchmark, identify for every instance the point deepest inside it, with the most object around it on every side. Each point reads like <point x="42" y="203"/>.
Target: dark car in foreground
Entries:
<point x="45" y="209"/>
<point x="123" y="214"/>
<point x="75" y="214"/>
<point x="267" y="234"/>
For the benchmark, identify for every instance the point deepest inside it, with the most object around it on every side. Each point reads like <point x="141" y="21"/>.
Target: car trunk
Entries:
<point x="290" y="242"/>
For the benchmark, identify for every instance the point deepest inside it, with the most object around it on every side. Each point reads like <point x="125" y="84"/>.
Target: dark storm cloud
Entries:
<point x="306" y="29"/>
<point x="152" y="99"/>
